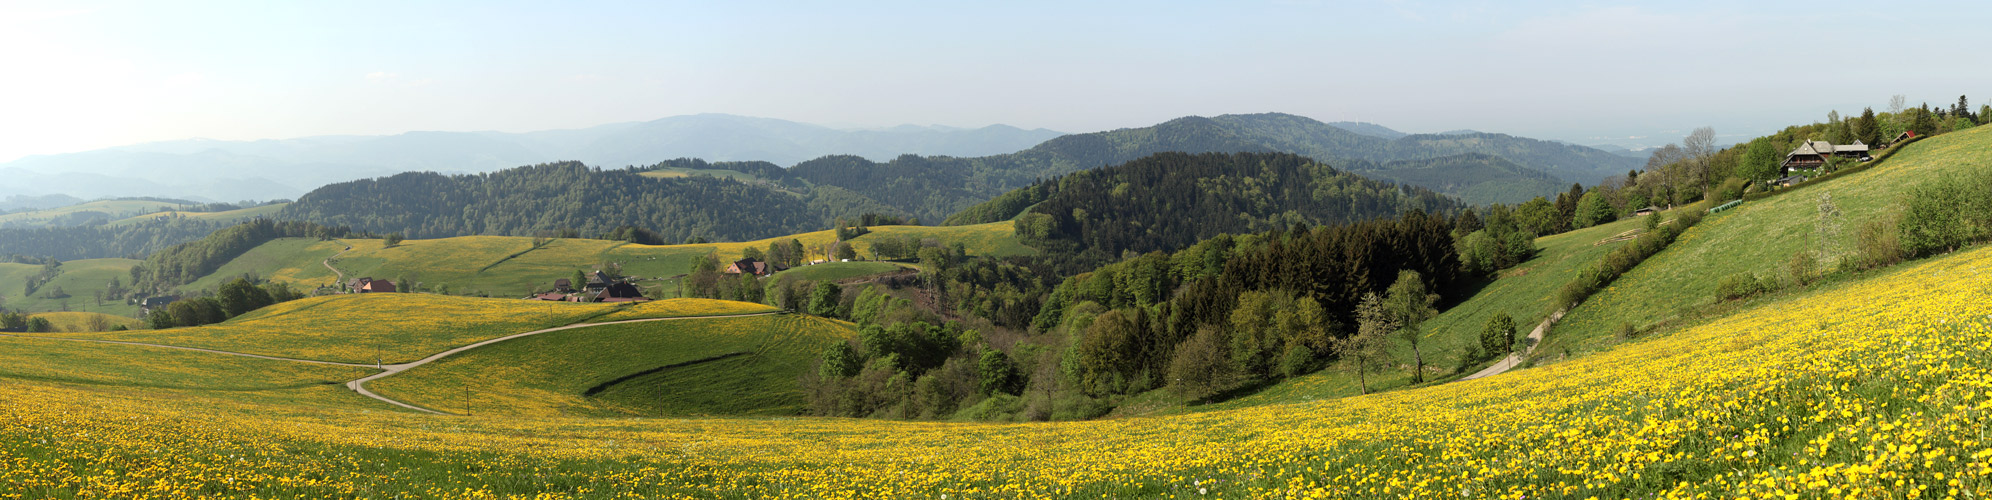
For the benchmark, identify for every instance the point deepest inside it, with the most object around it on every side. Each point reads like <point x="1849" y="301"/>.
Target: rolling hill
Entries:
<point x="286" y="168"/>
<point x="721" y="366"/>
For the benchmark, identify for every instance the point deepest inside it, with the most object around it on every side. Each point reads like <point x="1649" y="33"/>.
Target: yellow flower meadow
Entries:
<point x="1875" y="389"/>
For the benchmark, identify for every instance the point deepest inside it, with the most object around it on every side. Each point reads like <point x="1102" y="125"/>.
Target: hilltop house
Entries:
<point x="756" y="267"/>
<point x="369" y="285"/>
<point x="563" y="285"/>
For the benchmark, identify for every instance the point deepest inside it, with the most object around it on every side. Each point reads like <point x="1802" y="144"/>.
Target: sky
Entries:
<point x="85" y="75"/>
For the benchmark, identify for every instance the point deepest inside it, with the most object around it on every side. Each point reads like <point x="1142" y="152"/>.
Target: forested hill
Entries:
<point x="935" y="187"/>
<point x="549" y="197"/>
<point x="1169" y="201"/>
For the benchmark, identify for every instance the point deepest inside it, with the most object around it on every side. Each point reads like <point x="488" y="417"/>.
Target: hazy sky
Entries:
<point x="86" y="75"/>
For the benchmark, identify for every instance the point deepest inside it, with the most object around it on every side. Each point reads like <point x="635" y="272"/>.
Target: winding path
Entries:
<point x="328" y="261"/>
<point x="1515" y="359"/>
<point x="359" y="386"/>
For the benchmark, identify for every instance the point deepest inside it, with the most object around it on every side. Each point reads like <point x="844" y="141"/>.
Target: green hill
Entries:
<point x="721" y="366"/>
<point x="1760" y="236"/>
<point x="73" y="288"/>
<point x="509" y="266"/>
<point x="83" y="213"/>
<point x="269" y="210"/>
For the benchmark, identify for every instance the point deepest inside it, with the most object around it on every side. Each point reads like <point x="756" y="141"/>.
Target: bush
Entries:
<point x="1739" y="285"/>
<point x="1877" y="244"/>
<point x="1803" y="267"/>
<point x="1946" y="214"/>
<point x="1498" y="337"/>
<point x="1730" y="190"/>
<point x="1626" y="332"/>
<point x="40" y="325"/>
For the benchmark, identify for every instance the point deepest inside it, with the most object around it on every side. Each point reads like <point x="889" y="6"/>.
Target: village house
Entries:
<point x="756" y="267"/>
<point x="598" y="280"/>
<point x="621" y="291"/>
<point x="369" y="285"/>
<point x="563" y="285"/>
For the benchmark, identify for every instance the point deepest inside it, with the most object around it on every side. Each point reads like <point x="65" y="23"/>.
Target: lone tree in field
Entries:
<point x="392" y="239"/>
<point x="1365" y="349"/>
<point x="1409" y="306"/>
<point x="1499" y="336"/>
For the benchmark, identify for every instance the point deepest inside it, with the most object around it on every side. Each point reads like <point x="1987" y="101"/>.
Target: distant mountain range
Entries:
<point x="236" y="170"/>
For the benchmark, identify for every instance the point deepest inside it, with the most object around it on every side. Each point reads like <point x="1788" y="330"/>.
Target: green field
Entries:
<point x="1759" y="236"/>
<point x="157" y="367"/>
<point x="111" y="210"/>
<point x="835" y="271"/>
<point x="363" y="328"/>
<point x="721" y="366"/>
<point x="75" y="321"/>
<point x="229" y="215"/>
<point x="79" y="279"/>
<point x="675" y="172"/>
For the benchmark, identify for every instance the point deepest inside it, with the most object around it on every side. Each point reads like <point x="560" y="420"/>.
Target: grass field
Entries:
<point x="1872" y="388"/>
<point x="719" y="366"/>
<point x="230" y="215"/>
<point x="141" y="366"/>
<point x="75" y="321"/>
<point x="678" y="308"/>
<point x="1759" y="236"/>
<point x="834" y="271"/>
<point x="360" y="328"/>
<point x="112" y="209"/>
<point x="673" y="173"/>
<point x="80" y="279"/>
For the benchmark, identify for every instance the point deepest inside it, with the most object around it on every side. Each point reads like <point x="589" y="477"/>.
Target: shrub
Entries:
<point x="1730" y="190"/>
<point x="40" y="325"/>
<point x="1877" y="244"/>
<point x="1803" y="267"/>
<point x="1739" y="285"/>
<point x="1626" y="331"/>
<point x="1498" y="337"/>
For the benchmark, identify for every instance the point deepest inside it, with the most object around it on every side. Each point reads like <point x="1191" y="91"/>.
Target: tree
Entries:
<point x="40" y="325"/>
<point x="1592" y="209"/>
<point x="825" y="299"/>
<point x="1410" y="305"/>
<point x="1498" y="337"/>
<point x="1897" y="103"/>
<point x="159" y="319"/>
<point x="1537" y="216"/>
<point x="839" y="361"/>
<point x="1984" y="114"/>
<point x="1199" y="368"/>
<point x="1865" y="128"/>
<point x="1365" y="349"/>
<point x="1826" y="231"/>
<point x="1760" y="161"/>
<point x="1699" y="147"/>
<point x="844" y="251"/>
<point x="999" y="374"/>
<point x="753" y="253"/>
<point x="238" y="297"/>
<point x="392" y="239"/>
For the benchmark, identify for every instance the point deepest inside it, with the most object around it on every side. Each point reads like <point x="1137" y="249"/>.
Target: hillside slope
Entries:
<point x="1892" y="362"/>
<point x="720" y="366"/>
<point x="1761" y="236"/>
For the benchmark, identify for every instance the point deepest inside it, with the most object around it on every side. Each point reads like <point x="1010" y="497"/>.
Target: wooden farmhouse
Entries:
<point x="1813" y="154"/>
<point x="370" y="285"/>
<point x="597" y="281"/>
<point x="756" y="267"/>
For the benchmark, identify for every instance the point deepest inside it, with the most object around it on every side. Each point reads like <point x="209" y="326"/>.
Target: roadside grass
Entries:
<point x="141" y="366"/>
<point x="1860" y="390"/>
<point x="80" y="279"/>
<point x="359" y="328"/>
<point x="678" y="308"/>
<point x="1759" y="237"/>
<point x="718" y="366"/>
<point x="76" y="321"/>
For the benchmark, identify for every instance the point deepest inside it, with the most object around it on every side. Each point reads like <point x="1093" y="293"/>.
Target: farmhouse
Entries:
<point x="1649" y="210"/>
<point x="370" y="285"/>
<point x="563" y="285"/>
<point x="756" y="267"/>
<point x="597" y="281"/>
<point x="620" y="291"/>
<point x="148" y="304"/>
<point x="1813" y="154"/>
